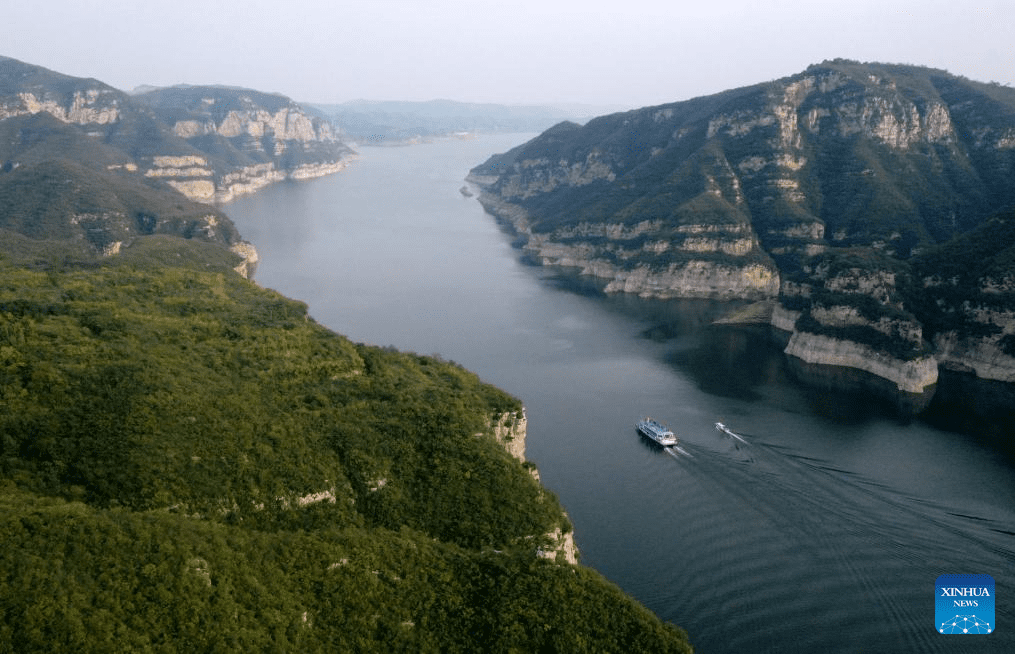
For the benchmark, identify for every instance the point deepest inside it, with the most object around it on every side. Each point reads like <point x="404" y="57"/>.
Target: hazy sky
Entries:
<point x="626" y="52"/>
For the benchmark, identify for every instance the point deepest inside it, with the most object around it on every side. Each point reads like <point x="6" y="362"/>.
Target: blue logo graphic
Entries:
<point x="964" y="604"/>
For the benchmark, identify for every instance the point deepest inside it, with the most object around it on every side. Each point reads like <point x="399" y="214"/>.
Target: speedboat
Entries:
<point x="720" y="427"/>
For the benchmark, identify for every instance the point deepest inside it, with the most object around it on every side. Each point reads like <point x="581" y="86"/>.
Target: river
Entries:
<point x="824" y="529"/>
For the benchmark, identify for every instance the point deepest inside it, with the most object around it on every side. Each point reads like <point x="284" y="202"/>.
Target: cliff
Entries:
<point x="86" y="163"/>
<point x="964" y="294"/>
<point x="509" y="429"/>
<point x="829" y="190"/>
<point x="248" y="139"/>
<point x="908" y="376"/>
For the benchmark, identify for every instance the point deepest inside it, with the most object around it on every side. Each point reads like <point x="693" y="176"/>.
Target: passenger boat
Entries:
<point x="657" y="432"/>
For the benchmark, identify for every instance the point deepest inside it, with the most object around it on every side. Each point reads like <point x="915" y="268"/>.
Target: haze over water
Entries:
<point x="824" y="531"/>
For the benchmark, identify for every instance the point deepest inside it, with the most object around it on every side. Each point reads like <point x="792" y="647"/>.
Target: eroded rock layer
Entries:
<point x="834" y="190"/>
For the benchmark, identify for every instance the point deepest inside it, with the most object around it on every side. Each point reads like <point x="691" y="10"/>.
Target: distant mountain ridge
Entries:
<point x="402" y="121"/>
<point x="821" y="189"/>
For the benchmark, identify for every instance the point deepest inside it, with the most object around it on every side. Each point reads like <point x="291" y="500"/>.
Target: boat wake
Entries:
<point x="676" y="450"/>
<point x="781" y="520"/>
<point x="723" y="429"/>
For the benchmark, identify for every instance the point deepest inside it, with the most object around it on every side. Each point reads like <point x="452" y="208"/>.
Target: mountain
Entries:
<point x="403" y="121"/>
<point x="211" y="143"/>
<point x="80" y="160"/>
<point x="830" y="190"/>
<point x="189" y="462"/>
<point x="73" y="155"/>
<point x="247" y="139"/>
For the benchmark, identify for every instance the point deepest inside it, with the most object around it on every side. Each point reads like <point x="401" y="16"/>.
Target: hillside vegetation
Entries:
<point x="875" y="199"/>
<point x="189" y="462"/>
<point x="81" y="161"/>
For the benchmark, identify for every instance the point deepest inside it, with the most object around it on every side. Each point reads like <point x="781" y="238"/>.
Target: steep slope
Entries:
<point x="762" y="191"/>
<point x="75" y="155"/>
<point x="59" y="184"/>
<point x="965" y="295"/>
<point x="188" y="462"/>
<point x="80" y="160"/>
<point x="106" y="115"/>
<point x="210" y="143"/>
<point x="248" y="139"/>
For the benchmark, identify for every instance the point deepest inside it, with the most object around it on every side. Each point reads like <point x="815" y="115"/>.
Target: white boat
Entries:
<point x="657" y="432"/>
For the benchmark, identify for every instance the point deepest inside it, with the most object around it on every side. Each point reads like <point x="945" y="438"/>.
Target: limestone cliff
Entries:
<point x="851" y="316"/>
<point x="209" y="143"/>
<point x="909" y="376"/>
<point x="104" y="168"/>
<point x="648" y="259"/>
<point x="509" y="429"/>
<point x="92" y="106"/>
<point x="248" y="139"/>
<point x="825" y="189"/>
<point x="983" y="357"/>
<point x="965" y="294"/>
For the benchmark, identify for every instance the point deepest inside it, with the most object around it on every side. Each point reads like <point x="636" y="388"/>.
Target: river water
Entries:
<point x="824" y="529"/>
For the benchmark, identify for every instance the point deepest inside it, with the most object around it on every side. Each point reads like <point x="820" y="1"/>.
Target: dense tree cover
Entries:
<point x="189" y="462"/>
<point x="80" y="579"/>
<point x="65" y="200"/>
<point x="943" y="289"/>
<point x="58" y="183"/>
<point x="973" y="271"/>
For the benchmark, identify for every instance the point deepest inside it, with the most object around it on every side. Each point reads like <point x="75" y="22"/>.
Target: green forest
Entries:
<point x="188" y="462"/>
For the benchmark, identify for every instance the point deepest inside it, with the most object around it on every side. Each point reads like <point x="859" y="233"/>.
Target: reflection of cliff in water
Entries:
<point x="967" y="404"/>
<point x="852" y="380"/>
<point x="734" y="362"/>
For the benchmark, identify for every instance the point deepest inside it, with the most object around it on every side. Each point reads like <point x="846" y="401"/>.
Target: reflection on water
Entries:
<point x="824" y="531"/>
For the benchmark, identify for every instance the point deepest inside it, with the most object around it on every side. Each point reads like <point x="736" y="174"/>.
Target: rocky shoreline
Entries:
<point x="910" y="383"/>
<point x="629" y="268"/>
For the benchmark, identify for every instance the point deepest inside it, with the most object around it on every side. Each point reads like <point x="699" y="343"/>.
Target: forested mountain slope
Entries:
<point x="830" y="190"/>
<point x="188" y="462"/>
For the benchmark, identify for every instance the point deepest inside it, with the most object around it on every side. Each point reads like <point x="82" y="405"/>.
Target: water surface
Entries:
<point x="824" y="531"/>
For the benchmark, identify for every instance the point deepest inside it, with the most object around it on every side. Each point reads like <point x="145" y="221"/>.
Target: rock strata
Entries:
<point x="909" y="376"/>
<point x="627" y="257"/>
<point x="826" y="189"/>
<point x="269" y="138"/>
<point x="509" y="429"/>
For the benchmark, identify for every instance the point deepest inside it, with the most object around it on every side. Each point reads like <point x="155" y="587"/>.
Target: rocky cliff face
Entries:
<point x="209" y="143"/>
<point x="113" y="166"/>
<point x="909" y="376"/>
<point x="964" y="293"/>
<point x="823" y="189"/>
<point x="509" y="429"/>
<point x="92" y="106"/>
<point x="649" y="258"/>
<point x="250" y="139"/>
